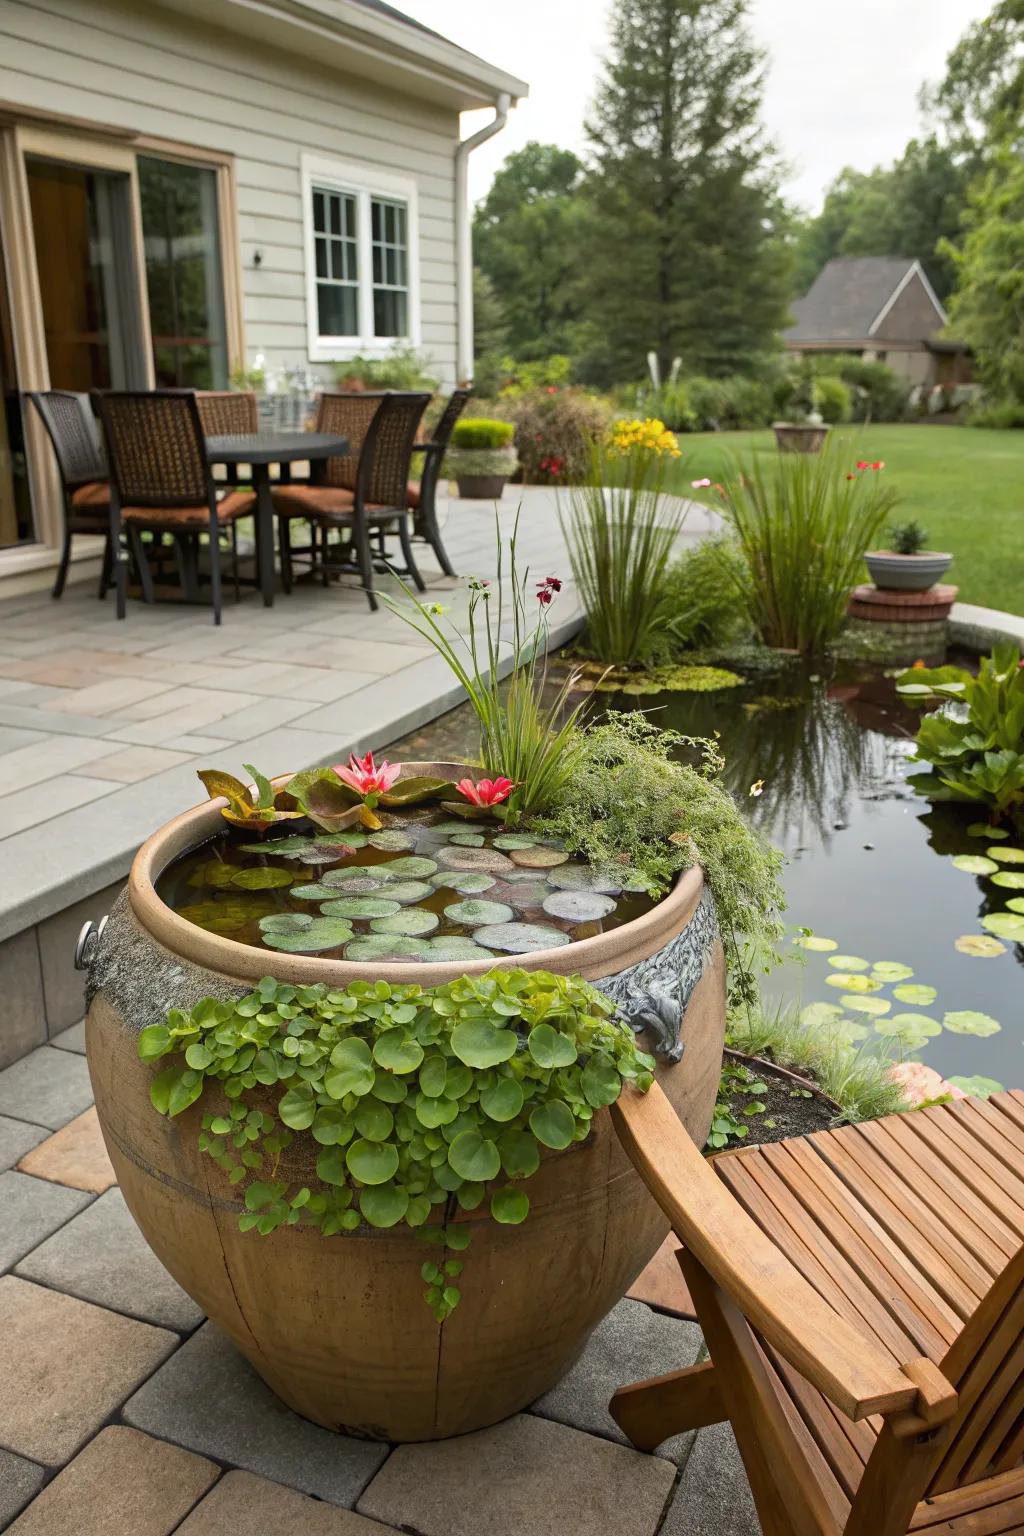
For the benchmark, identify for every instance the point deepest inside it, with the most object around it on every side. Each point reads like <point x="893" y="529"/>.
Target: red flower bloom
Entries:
<point x="485" y="791"/>
<point x="878" y="464"/>
<point x="366" y="777"/>
<point x="862" y="464"/>
<point x="547" y="588"/>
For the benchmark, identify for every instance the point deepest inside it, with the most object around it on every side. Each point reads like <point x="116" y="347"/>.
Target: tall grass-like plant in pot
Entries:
<point x="621" y="530"/>
<point x="482" y="457"/>
<point x="802" y="524"/>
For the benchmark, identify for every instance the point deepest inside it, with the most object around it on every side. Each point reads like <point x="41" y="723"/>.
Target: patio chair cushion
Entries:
<point x="928" y="1205"/>
<point x="325" y="500"/>
<point x="93" y="497"/>
<point x="234" y="505"/>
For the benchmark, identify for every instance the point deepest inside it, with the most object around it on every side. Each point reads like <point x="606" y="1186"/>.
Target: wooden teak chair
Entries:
<point x="861" y="1293"/>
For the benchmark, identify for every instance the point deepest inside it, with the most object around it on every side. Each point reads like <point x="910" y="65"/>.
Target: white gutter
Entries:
<point x="464" y="239"/>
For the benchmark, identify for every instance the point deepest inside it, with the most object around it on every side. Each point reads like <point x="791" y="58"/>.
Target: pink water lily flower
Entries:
<point x="367" y="777"/>
<point x="485" y="791"/>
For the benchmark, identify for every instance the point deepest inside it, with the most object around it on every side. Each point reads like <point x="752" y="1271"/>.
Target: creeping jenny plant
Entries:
<point x="386" y="1104"/>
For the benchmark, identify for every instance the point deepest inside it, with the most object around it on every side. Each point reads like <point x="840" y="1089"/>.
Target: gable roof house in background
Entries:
<point x="186" y="185"/>
<point x="884" y="309"/>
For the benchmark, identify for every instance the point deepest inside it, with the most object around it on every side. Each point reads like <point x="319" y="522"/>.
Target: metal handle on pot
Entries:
<point x="88" y="942"/>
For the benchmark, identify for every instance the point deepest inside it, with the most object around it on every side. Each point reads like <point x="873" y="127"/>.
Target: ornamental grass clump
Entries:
<point x="802" y="523"/>
<point x="621" y="530"/>
<point x="394" y="1104"/>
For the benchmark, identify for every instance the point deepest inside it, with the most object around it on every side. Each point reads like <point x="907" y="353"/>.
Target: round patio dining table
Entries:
<point x="259" y="450"/>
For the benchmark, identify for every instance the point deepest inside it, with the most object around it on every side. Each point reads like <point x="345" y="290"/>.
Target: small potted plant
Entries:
<point x="804" y="430"/>
<point x="906" y="566"/>
<point x="482" y="457"/>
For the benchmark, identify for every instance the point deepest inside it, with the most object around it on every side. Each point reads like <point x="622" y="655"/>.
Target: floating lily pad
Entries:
<point x="582" y="877"/>
<point x="323" y="853"/>
<point x="1015" y="903"/>
<point x="1007" y="855"/>
<point x="539" y="857"/>
<point x="875" y="1006"/>
<point x="521" y="894"/>
<point x="815" y="942"/>
<point x="912" y="1029"/>
<point x="475" y="913"/>
<point x="979" y="945"/>
<point x="466" y="882"/>
<point x="322" y="933"/>
<point x="480" y="860"/>
<point x="261" y="879"/>
<point x="324" y="891"/>
<point x="977" y="1087"/>
<point x="520" y="938"/>
<point x="412" y="923"/>
<point x="360" y="906"/>
<point x="285" y="922"/>
<point x="466" y="839"/>
<point x="224" y="916"/>
<point x="214" y="872"/>
<point x="284" y="847"/>
<point x="817" y="1015"/>
<point x="384" y="946"/>
<point x="973" y="864"/>
<point x="1005" y="925"/>
<point x="848" y="962"/>
<point x="1010" y="879"/>
<point x="510" y="840"/>
<point x="967" y="1022"/>
<point x="851" y="1031"/>
<point x="349" y="874"/>
<point x="408" y="891"/>
<point x="911" y="992"/>
<point x="890" y="970"/>
<point x="457" y="947"/>
<point x="982" y="829"/>
<point x="579" y="906"/>
<point x="390" y="840"/>
<point x="409" y="867"/>
<point x="851" y="982"/>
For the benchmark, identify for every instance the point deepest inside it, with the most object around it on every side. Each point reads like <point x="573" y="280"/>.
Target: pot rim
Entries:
<point x="895" y="554"/>
<point x="604" y="954"/>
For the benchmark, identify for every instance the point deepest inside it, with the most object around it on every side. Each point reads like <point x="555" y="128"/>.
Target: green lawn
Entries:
<point x="964" y="485"/>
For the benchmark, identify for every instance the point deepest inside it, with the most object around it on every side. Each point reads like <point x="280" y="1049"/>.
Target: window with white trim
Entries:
<point x="361" y="259"/>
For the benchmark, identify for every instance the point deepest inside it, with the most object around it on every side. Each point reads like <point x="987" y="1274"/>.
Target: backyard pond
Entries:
<point x="873" y="870"/>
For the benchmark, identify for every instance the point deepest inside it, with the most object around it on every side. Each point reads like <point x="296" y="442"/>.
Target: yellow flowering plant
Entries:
<point x="649" y="436"/>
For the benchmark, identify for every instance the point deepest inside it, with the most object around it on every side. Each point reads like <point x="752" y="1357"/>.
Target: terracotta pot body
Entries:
<point x="338" y="1327"/>
<point x="799" y="439"/>
<point x="907" y="573"/>
<point x="481" y="487"/>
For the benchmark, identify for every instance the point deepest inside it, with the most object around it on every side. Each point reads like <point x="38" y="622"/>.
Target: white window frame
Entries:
<point x="364" y="183"/>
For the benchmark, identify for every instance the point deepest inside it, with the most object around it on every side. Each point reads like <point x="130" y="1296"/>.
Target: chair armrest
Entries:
<point x="848" y="1366"/>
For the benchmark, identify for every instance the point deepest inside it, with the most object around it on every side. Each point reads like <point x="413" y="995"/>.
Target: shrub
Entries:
<point x="907" y="538"/>
<point x="620" y="532"/>
<point x="552" y="372"/>
<point x="701" y="596"/>
<point x="729" y="405"/>
<point x="802" y="523"/>
<point x="556" y="430"/>
<point x="403" y="368"/>
<point x="833" y="399"/>
<point x="1003" y="415"/>
<point x="670" y="404"/>
<point x="482" y="432"/>
<point x="878" y="394"/>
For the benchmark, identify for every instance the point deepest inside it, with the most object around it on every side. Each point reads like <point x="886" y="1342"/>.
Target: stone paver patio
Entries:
<point x="122" y="1410"/>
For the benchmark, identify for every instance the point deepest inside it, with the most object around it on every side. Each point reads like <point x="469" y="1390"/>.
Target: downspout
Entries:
<point x="464" y="239"/>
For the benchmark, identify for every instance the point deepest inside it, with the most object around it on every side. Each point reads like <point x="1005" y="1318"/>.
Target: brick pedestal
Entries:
<point x="911" y="625"/>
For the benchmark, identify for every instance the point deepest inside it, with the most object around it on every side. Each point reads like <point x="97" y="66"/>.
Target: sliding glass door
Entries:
<point x="15" y="503"/>
<point x="181" y="240"/>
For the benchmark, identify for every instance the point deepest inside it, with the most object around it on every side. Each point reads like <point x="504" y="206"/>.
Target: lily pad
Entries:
<point x="1007" y="855"/>
<point x="214" y="872"/>
<point x="1015" y="903"/>
<point x="520" y="938"/>
<point x="510" y="840"/>
<point x="521" y="893"/>
<point x="979" y="945"/>
<point x="977" y="1087"/>
<point x="1010" y="879"/>
<point x="466" y="882"/>
<point x="851" y="1031"/>
<point x="408" y="891"/>
<point x="322" y="933"/>
<point x="321" y="853"/>
<point x="466" y="839"/>
<point x="912" y="1029"/>
<point x="890" y="970"/>
<point x="349" y="874"/>
<point x="911" y="992"/>
<point x="457" y="946"/>
<point x="848" y="962"/>
<point x="283" y="847"/>
<point x="322" y="891"/>
<point x="973" y="864"/>
<point x="384" y="946"/>
<point x="818" y="1015"/>
<point x="579" y="906"/>
<point x="982" y="829"/>
<point x="582" y="877"/>
<point x="539" y="857"/>
<point x="360" y="906"/>
<point x="475" y="913"/>
<point x="390" y="840"/>
<point x="224" y="916"/>
<point x="1005" y="925"/>
<point x="875" y="1006"/>
<point x="967" y="1022"/>
<point x="411" y="923"/>
<point x="814" y="942"/>
<point x="409" y="867"/>
<point x="285" y="922"/>
<point x="851" y="982"/>
<point x="478" y="860"/>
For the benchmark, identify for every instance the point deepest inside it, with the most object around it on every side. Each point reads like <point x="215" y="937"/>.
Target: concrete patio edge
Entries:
<point x="981" y="628"/>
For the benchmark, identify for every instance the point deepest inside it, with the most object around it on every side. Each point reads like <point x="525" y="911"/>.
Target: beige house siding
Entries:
<point x="139" y="67"/>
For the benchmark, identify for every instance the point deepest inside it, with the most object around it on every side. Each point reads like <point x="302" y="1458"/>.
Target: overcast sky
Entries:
<point x="842" y="83"/>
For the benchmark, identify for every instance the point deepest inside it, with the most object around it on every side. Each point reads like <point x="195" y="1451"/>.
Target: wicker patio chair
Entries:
<point x="228" y="412"/>
<point x="423" y="497"/>
<point x="377" y="502"/>
<point x="861" y="1293"/>
<point x="71" y="427"/>
<point x="161" y="484"/>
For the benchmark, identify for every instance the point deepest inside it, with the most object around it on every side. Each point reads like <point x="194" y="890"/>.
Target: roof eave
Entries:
<point x="374" y="46"/>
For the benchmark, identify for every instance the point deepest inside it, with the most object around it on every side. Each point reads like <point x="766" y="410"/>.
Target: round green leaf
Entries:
<point x="372" y="1162"/>
<point x="351" y="1069"/>
<point x="982" y="829"/>
<point x="468" y="882"/>
<point x="382" y="946"/>
<point x="600" y="1082"/>
<point x="322" y="933"/>
<point x="474" y="913"/>
<point x="1007" y="855"/>
<point x="298" y="1107"/>
<point x="977" y="1087"/>
<point x="480" y="1045"/>
<point x="967" y="1022"/>
<point x="285" y="922"/>
<point x="260" y="879"/>
<point x="383" y="1205"/>
<point x="852" y="982"/>
<point x="553" y="1124"/>
<point x="820" y="1015"/>
<point x="973" y="864"/>
<point x="979" y="945"/>
<point x="330" y="1166"/>
<point x="1009" y="879"/>
<point x="912" y="1029"/>
<point x="1007" y="925"/>
<point x="408" y="868"/>
<point x="848" y="962"/>
<point x="519" y="1155"/>
<point x="815" y="942"/>
<point x="433" y="1113"/>
<point x="410" y="923"/>
<point x="374" y="1121"/>
<point x="503" y="1101"/>
<point x="549" y="1048"/>
<point x="360" y="906"/>
<point x="510" y="1206"/>
<point x="871" y="1005"/>
<point x="409" y="891"/>
<point x="153" y="1041"/>
<point x="199" y="1055"/>
<point x="332" y="1127"/>
<point x="890" y="970"/>
<point x="473" y="1157"/>
<point x="397" y="1051"/>
<point x="911" y="992"/>
<point x="520" y="938"/>
<point x="432" y="1076"/>
<point x="1015" y="903"/>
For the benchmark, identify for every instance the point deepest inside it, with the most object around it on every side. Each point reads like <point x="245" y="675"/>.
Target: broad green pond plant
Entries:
<point x="394" y="1104"/>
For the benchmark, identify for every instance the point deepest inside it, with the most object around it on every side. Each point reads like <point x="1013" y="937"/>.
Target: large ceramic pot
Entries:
<point x="338" y="1327"/>
<point x="893" y="572"/>
<point x="805" y="437"/>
